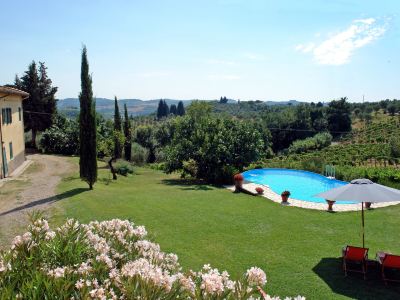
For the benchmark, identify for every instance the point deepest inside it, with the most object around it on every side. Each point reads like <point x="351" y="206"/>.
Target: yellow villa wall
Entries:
<point x="13" y="132"/>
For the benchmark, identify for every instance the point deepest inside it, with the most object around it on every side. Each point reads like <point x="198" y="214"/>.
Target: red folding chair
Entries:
<point x="388" y="261"/>
<point x="356" y="258"/>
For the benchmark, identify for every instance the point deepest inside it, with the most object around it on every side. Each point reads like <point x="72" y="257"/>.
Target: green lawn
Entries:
<point x="297" y="248"/>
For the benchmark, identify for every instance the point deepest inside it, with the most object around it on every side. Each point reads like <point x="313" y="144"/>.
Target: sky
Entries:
<point x="309" y="50"/>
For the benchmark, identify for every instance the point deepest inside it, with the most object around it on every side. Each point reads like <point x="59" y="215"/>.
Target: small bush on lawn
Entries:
<point x="123" y="167"/>
<point x="139" y="154"/>
<point x="109" y="260"/>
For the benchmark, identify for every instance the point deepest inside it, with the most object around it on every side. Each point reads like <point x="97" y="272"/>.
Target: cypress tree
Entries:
<point x="127" y="133"/>
<point x="87" y="126"/>
<point x="117" y="130"/>
<point x="181" y="109"/>
<point x="166" y="109"/>
<point x="172" y="109"/>
<point x="160" y="109"/>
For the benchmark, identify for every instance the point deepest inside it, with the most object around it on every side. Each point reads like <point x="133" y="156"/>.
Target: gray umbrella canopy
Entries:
<point x="362" y="190"/>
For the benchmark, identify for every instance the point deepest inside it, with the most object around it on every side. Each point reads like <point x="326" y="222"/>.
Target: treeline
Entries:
<point x="163" y="110"/>
<point x="291" y="123"/>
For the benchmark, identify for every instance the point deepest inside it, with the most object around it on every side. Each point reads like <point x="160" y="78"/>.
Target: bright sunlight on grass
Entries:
<point x="297" y="248"/>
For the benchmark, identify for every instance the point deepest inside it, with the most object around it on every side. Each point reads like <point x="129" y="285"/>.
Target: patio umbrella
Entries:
<point x="362" y="190"/>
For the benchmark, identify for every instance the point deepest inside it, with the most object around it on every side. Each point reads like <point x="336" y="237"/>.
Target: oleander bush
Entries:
<point x="109" y="260"/>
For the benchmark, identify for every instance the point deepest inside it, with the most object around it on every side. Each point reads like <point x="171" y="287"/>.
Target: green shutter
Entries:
<point x="11" y="151"/>
<point x="3" y="116"/>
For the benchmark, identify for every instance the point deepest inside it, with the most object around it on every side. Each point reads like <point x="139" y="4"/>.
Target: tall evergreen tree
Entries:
<point x="128" y="135"/>
<point x="87" y="126"/>
<point x="160" y="109"/>
<point x="223" y="100"/>
<point x="47" y="95"/>
<point x="40" y="107"/>
<point x="117" y="130"/>
<point x="165" y="109"/>
<point x="173" y="109"/>
<point x="180" y="109"/>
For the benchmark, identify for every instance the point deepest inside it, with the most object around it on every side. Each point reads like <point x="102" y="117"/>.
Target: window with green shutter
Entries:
<point x="9" y="116"/>
<point x="19" y="113"/>
<point x="6" y="116"/>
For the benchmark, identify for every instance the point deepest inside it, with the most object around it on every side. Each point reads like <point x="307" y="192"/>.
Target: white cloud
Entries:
<point x="223" y="77"/>
<point x="338" y="49"/>
<point x="305" y="48"/>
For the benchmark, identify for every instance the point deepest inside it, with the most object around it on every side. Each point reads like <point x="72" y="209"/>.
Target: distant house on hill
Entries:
<point x="12" y="143"/>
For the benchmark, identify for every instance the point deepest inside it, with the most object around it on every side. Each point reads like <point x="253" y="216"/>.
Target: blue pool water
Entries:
<point x="303" y="185"/>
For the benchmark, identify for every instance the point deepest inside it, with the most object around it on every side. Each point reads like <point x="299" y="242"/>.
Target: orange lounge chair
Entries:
<point x="388" y="261"/>
<point x="355" y="256"/>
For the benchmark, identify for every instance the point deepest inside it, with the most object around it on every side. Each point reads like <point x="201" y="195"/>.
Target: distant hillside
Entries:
<point x="137" y="107"/>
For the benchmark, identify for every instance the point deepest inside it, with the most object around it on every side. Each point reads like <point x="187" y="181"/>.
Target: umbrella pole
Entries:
<point x="362" y="221"/>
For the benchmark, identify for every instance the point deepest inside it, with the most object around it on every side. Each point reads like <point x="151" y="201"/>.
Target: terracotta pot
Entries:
<point x="284" y="198"/>
<point x="238" y="185"/>
<point x="368" y="205"/>
<point x="330" y="204"/>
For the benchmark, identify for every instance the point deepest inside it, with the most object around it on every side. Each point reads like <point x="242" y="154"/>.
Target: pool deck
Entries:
<point x="271" y="195"/>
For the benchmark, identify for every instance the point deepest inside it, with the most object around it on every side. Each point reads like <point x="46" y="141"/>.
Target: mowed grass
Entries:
<point x="297" y="248"/>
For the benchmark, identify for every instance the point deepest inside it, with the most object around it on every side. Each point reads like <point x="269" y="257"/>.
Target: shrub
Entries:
<point x="139" y="154"/>
<point x="190" y="168"/>
<point x="317" y="142"/>
<point x="157" y="166"/>
<point x="108" y="260"/>
<point x="313" y="164"/>
<point x="123" y="167"/>
<point x="61" y="138"/>
<point x="225" y="174"/>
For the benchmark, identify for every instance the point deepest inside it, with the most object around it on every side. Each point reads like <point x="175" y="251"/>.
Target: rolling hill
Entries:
<point x="137" y="107"/>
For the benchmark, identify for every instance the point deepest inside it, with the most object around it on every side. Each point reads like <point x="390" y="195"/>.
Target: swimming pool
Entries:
<point x="303" y="185"/>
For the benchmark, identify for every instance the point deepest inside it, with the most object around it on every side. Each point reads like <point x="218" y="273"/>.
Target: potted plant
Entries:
<point x="259" y="190"/>
<point x="330" y="204"/>
<point x="368" y="205"/>
<point x="238" y="179"/>
<point x="285" y="195"/>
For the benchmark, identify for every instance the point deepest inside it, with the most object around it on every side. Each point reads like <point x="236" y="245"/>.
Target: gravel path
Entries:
<point x="35" y="189"/>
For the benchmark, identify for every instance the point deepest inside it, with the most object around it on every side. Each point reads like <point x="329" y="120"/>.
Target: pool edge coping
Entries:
<point x="271" y="195"/>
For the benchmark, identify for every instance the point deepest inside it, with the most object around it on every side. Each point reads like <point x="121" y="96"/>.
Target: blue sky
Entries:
<point x="242" y="49"/>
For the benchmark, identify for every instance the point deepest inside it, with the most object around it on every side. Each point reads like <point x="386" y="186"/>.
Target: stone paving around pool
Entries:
<point x="269" y="194"/>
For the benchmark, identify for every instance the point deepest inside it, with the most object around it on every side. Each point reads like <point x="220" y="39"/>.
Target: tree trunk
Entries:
<point x="91" y="186"/>
<point x="112" y="168"/>
<point x="33" y="142"/>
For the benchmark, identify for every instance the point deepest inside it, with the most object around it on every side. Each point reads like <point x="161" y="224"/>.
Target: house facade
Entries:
<point x="12" y="141"/>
